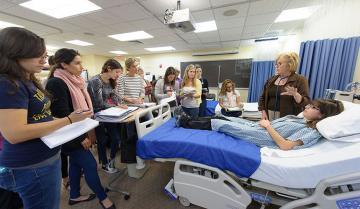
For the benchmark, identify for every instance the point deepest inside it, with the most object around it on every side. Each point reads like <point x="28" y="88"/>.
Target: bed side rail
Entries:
<point x="336" y="201"/>
<point x="151" y="122"/>
<point x="147" y="123"/>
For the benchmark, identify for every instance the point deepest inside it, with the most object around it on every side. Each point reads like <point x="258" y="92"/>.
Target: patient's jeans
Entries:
<point x="39" y="188"/>
<point x="201" y="123"/>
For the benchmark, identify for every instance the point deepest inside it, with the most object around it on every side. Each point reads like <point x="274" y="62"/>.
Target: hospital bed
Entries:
<point x="214" y="170"/>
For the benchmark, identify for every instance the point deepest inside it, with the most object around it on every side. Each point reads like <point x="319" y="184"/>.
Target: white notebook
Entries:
<point x="69" y="132"/>
<point x="115" y="111"/>
<point x="251" y="107"/>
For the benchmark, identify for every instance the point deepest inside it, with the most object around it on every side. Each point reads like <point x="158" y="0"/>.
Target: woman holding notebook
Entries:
<point x="190" y="92"/>
<point x="27" y="165"/>
<point x="69" y="94"/>
<point x="101" y="88"/>
<point x="229" y="99"/>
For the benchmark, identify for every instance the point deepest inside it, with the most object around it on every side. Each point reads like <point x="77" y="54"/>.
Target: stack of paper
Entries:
<point x="69" y="132"/>
<point x="189" y="90"/>
<point x="251" y="111"/>
<point x="143" y="105"/>
<point x="114" y="114"/>
<point x="169" y="99"/>
<point x="251" y="107"/>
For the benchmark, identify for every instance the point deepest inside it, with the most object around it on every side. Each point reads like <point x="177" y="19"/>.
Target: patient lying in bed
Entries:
<point x="289" y="132"/>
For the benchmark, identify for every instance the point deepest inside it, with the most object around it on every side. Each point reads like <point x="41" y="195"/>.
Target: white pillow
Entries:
<point x="343" y="127"/>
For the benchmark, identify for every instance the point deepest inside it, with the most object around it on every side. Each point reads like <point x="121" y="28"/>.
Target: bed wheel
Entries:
<point x="126" y="197"/>
<point x="184" y="201"/>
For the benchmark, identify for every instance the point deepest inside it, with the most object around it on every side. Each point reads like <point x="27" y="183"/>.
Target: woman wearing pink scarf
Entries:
<point x="69" y="94"/>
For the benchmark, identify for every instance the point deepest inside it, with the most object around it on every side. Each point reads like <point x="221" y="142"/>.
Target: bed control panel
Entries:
<point x="351" y="203"/>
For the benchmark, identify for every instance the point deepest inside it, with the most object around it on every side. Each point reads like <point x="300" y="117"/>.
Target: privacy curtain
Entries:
<point x="260" y="72"/>
<point x="328" y="64"/>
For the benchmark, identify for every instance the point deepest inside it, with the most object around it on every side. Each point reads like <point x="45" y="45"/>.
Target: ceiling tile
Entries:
<point x="267" y="6"/>
<point x="230" y="34"/>
<point x="230" y="23"/>
<point x="231" y="44"/>
<point x="129" y="12"/>
<point x="218" y="3"/>
<point x="256" y="28"/>
<point x="103" y="16"/>
<point x="252" y="35"/>
<point x="303" y="3"/>
<point x="111" y="3"/>
<point x="5" y="4"/>
<point x="209" y="39"/>
<point x="241" y="8"/>
<point x="211" y="34"/>
<point x="261" y="19"/>
<point x="203" y="16"/>
<point x="147" y="24"/>
<point x="83" y="22"/>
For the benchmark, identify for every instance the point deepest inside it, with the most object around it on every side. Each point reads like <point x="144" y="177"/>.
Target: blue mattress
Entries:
<point x="206" y="147"/>
<point x="210" y="107"/>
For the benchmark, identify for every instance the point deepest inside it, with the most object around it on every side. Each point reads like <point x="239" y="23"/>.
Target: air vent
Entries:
<point x="215" y="53"/>
<point x="89" y="34"/>
<point x="266" y="39"/>
<point x="136" y="42"/>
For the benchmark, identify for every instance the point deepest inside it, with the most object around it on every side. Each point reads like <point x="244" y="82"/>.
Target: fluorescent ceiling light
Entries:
<point x="4" y="24"/>
<point x="296" y="14"/>
<point x="158" y="49"/>
<point x="118" y="52"/>
<point x="61" y="8"/>
<point x="137" y="35"/>
<point x="52" y="48"/>
<point x="205" y="26"/>
<point x="79" y="43"/>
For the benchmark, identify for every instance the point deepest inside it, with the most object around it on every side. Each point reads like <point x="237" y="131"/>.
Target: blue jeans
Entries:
<point x="83" y="160"/>
<point x="193" y="112"/>
<point x="113" y="131"/>
<point x="202" y="108"/>
<point x="39" y="188"/>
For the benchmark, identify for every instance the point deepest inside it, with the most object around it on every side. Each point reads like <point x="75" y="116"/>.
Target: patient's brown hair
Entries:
<point x="328" y="108"/>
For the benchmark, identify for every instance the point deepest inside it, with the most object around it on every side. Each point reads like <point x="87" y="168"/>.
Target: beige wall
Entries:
<point x="93" y="63"/>
<point x="335" y="19"/>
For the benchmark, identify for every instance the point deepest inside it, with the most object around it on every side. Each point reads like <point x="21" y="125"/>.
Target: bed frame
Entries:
<point x="213" y="188"/>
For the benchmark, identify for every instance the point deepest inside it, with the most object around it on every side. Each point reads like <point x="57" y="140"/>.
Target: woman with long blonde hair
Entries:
<point x="229" y="99"/>
<point x="190" y="92"/>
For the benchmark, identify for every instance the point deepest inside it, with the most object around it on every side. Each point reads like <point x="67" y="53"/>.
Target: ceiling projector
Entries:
<point x="179" y="19"/>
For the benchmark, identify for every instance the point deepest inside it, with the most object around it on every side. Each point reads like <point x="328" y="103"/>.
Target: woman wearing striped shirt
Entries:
<point x="130" y="86"/>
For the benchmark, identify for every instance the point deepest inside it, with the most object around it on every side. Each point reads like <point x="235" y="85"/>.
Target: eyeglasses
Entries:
<point x="44" y="57"/>
<point x="312" y="106"/>
<point x="279" y="64"/>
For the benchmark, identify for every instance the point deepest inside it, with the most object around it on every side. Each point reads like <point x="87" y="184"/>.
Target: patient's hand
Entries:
<point x="264" y="115"/>
<point x="264" y="123"/>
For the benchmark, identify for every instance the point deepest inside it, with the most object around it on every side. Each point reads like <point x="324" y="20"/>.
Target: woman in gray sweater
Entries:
<point x="165" y="87"/>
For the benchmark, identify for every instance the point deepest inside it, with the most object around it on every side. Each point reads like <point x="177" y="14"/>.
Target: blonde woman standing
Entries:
<point x="190" y="92"/>
<point x="286" y="93"/>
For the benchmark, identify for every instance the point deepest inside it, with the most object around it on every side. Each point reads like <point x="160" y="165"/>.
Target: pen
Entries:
<point x="81" y="111"/>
